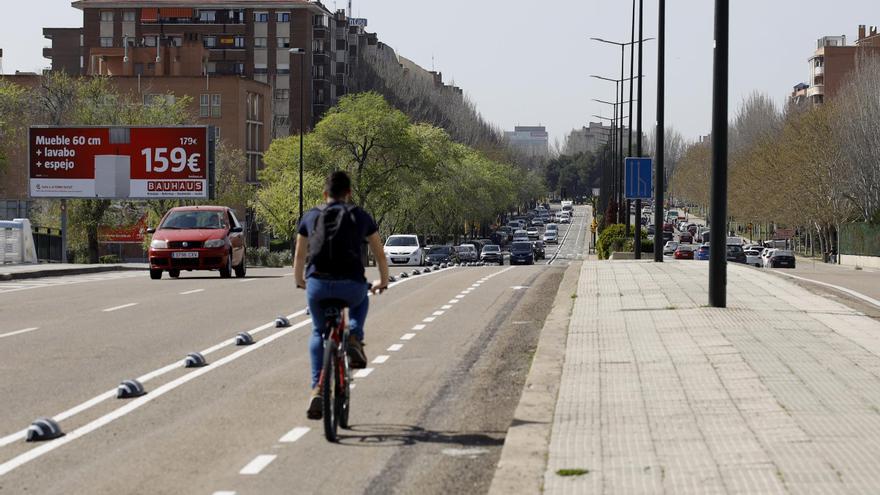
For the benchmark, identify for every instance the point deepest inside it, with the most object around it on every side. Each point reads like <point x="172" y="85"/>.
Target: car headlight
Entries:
<point x="159" y="244"/>
<point x="215" y="243"/>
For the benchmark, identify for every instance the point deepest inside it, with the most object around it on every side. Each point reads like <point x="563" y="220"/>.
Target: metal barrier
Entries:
<point x="47" y="242"/>
<point x="860" y="239"/>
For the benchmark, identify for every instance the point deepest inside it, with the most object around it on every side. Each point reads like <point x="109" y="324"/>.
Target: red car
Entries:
<point x="198" y="238"/>
<point x="683" y="253"/>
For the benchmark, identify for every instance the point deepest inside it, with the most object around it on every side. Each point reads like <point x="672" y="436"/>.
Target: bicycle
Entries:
<point x="335" y="379"/>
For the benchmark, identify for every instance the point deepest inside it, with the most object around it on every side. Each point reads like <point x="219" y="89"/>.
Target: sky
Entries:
<point x="529" y="62"/>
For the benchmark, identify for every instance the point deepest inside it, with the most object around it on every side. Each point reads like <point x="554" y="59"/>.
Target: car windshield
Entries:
<point x="492" y="248"/>
<point x="194" y="219"/>
<point x="440" y="250"/>
<point x="734" y="249"/>
<point x="783" y="253"/>
<point x="521" y="246"/>
<point x="402" y="241"/>
<point x="468" y="247"/>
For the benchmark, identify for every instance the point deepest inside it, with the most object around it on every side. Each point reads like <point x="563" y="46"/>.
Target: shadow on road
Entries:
<point x="383" y="435"/>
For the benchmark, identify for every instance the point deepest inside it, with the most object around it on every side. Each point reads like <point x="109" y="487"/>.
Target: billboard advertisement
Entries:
<point x="121" y="162"/>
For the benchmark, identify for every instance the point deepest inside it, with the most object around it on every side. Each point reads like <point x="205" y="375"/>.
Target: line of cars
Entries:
<point x="737" y="251"/>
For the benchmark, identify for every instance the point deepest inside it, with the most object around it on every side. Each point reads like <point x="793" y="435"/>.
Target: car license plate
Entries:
<point x="399" y="260"/>
<point x="185" y="254"/>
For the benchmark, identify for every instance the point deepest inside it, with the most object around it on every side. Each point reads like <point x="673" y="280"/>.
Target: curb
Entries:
<point x="527" y="443"/>
<point x="58" y="272"/>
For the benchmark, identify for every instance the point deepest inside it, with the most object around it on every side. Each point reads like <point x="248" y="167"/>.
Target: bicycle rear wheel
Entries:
<point x="343" y="393"/>
<point x="329" y="388"/>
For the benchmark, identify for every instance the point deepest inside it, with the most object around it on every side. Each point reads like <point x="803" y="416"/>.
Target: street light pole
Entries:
<point x="637" y="242"/>
<point x="660" y="147"/>
<point x="302" y="90"/>
<point x="718" y="234"/>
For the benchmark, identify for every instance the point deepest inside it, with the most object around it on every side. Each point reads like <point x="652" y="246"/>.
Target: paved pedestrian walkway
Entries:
<point x="778" y="393"/>
<point x="39" y="270"/>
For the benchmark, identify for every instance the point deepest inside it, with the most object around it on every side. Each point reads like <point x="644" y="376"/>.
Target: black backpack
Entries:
<point x="335" y="242"/>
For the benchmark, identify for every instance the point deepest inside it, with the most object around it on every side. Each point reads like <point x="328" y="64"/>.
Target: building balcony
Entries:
<point x="47" y="52"/>
<point x="818" y="71"/>
<point x="816" y="90"/>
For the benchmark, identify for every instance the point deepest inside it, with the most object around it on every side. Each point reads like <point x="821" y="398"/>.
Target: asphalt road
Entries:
<point x="449" y="352"/>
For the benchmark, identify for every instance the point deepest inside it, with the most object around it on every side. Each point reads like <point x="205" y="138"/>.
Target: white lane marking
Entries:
<point x="418" y="327"/>
<point x="224" y="492"/>
<point x="475" y="286"/>
<point x="407" y="336"/>
<point x="395" y="347"/>
<point x="454" y="301"/>
<point x="258" y="464"/>
<point x="857" y="295"/>
<point x="438" y="313"/>
<point x="429" y="319"/>
<point x="191" y="292"/>
<point x="363" y="373"/>
<point x="18" y="332"/>
<point x="43" y="449"/>
<point x="246" y="280"/>
<point x="381" y="359"/>
<point x="84" y="406"/>
<point x="352" y="386"/>
<point x="294" y="434"/>
<point x="520" y="287"/>
<point x="460" y="296"/>
<point x="115" y="308"/>
<point x="446" y="306"/>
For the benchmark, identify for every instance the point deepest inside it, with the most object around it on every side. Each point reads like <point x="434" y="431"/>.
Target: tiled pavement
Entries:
<point x="778" y="393"/>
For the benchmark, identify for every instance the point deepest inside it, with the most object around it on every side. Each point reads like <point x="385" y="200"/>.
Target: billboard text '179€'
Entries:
<point x="120" y="162"/>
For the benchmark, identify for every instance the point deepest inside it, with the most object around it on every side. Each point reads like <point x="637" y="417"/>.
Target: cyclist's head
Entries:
<point x="338" y="186"/>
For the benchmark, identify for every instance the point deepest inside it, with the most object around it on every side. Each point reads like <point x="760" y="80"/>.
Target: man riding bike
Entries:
<point x="329" y="264"/>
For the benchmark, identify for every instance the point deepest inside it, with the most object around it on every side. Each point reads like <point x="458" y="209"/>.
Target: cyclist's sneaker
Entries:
<point x="315" y="406"/>
<point x="356" y="355"/>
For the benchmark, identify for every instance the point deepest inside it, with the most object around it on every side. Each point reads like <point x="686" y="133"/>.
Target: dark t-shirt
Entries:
<point x="364" y="223"/>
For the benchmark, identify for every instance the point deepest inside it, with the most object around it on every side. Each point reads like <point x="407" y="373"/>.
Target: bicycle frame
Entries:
<point x="335" y="372"/>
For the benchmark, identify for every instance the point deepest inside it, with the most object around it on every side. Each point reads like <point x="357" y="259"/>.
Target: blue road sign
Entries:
<point x="639" y="175"/>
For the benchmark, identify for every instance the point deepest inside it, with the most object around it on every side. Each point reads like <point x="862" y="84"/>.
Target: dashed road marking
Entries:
<point x="460" y="296"/>
<point x="185" y="293"/>
<point x="246" y="280"/>
<point x="453" y="301"/>
<point x="418" y="327"/>
<point x="258" y="464"/>
<point x="363" y="373"/>
<point x="294" y="434"/>
<point x="116" y="308"/>
<point x="224" y="492"/>
<point x="438" y="313"/>
<point x="395" y="347"/>
<point x="18" y="332"/>
<point x="429" y="319"/>
<point x="407" y="336"/>
<point x="381" y="359"/>
<point x="446" y="306"/>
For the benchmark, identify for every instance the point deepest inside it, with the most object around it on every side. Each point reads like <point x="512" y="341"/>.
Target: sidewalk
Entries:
<point x="778" y="393"/>
<point x="19" y="272"/>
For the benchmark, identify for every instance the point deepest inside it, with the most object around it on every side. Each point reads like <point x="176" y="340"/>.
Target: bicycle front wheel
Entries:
<point x="343" y="386"/>
<point x="329" y="389"/>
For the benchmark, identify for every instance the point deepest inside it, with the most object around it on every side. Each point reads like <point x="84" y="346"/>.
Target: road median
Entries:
<point x="22" y="272"/>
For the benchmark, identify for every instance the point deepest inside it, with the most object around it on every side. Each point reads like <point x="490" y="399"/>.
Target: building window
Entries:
<point x="210" y="41"/>
<point x="282" y="120"/>
<point x="283" y="72"/>
<point x="318" y="71"/>
<point x="282" y="94"/>
<point x="215" y="106"/>
<point x="106" y="16"/>
<point x="341" y="45"/>
<point x="158" y="99"/>
<point x="239" y="68"/>
<point x="106" y="42"/>
<point x="149" y="41"/>
<point x="261" y="70"/>
<point x="175" y="41"/>
<point x="319" y="96"/>
<point x="217" y="133"/>
<point x="282" y="17"/>
<point x="259" y="42"/>
<point x="321" y="21"/>
<point x="283" y="42"/>
<point x="261" y="17"/>
<point x="207" y="16"/>
<point x="204" y="106"/>
<point x="239" y="41"/>
<point x="129" y="16"/>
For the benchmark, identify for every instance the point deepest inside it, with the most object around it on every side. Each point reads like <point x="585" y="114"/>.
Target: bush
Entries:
<point x="109" y="259"/>
<point x="614" y="238"/>
<point x="264" y="257"/>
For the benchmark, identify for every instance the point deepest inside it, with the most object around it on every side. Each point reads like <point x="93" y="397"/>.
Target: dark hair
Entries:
<point x="338" y="185"/>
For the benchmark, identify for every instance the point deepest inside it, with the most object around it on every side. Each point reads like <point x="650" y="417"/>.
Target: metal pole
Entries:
<point x="632" y="48"/>
<point x="717" y="236"/>
<point x="659" y="171"/>
<point x="302" y="92"/>
<point x="64" y="231"/>
<point x="637" y="242"/>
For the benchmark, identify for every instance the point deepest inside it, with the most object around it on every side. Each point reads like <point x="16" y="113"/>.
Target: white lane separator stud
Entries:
<point x="418" y="327"/>
<point x="438" y="313"/>
<point x="258" y="464"/>
<point x="115" y="308"/>
<point x="407" y="336"/>
<point x="363" y="373"/>
<point x="294" y="434"/>
<point x="381" y="359"/>
<point x="395" y="347"/>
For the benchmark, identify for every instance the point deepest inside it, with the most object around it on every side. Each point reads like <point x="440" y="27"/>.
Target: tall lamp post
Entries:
<point x="718" y="232"/>
<point x="660" y="148"/>
<point x="302" y="91"/>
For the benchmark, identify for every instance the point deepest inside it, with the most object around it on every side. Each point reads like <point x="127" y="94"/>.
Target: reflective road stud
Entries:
<point x="129" y="389"/>
<point x="244" y="338"/>
<point x="43" y="429"/>
<point x="282" y="322"/>
<point x="195" y="360"/>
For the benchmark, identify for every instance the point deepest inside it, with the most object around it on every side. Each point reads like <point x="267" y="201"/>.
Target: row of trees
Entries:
<point x="806" y="166"/>
<point x="65" y="101"/>
<point x="412" y="177"/>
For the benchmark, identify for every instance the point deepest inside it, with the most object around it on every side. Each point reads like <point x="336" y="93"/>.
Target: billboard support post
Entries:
<point x="64" y="231"/>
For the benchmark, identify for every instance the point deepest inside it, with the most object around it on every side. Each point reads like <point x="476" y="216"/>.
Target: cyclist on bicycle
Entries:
<point x="329" y="264"/>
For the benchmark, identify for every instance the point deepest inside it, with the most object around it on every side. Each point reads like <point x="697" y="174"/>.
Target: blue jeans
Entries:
<point x="354" y="293"/>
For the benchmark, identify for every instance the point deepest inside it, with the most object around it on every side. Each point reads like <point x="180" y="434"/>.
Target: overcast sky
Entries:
<point x="529" y="62"/>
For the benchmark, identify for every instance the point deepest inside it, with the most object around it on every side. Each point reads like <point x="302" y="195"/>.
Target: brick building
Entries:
<point x="832" y="63"/>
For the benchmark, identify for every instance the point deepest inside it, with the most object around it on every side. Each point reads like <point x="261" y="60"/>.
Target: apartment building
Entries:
<point x="65" y="51"/>
<point x="832" y="63"/>
<point x="589" y="138"/>
<point x="532" y="141"/>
